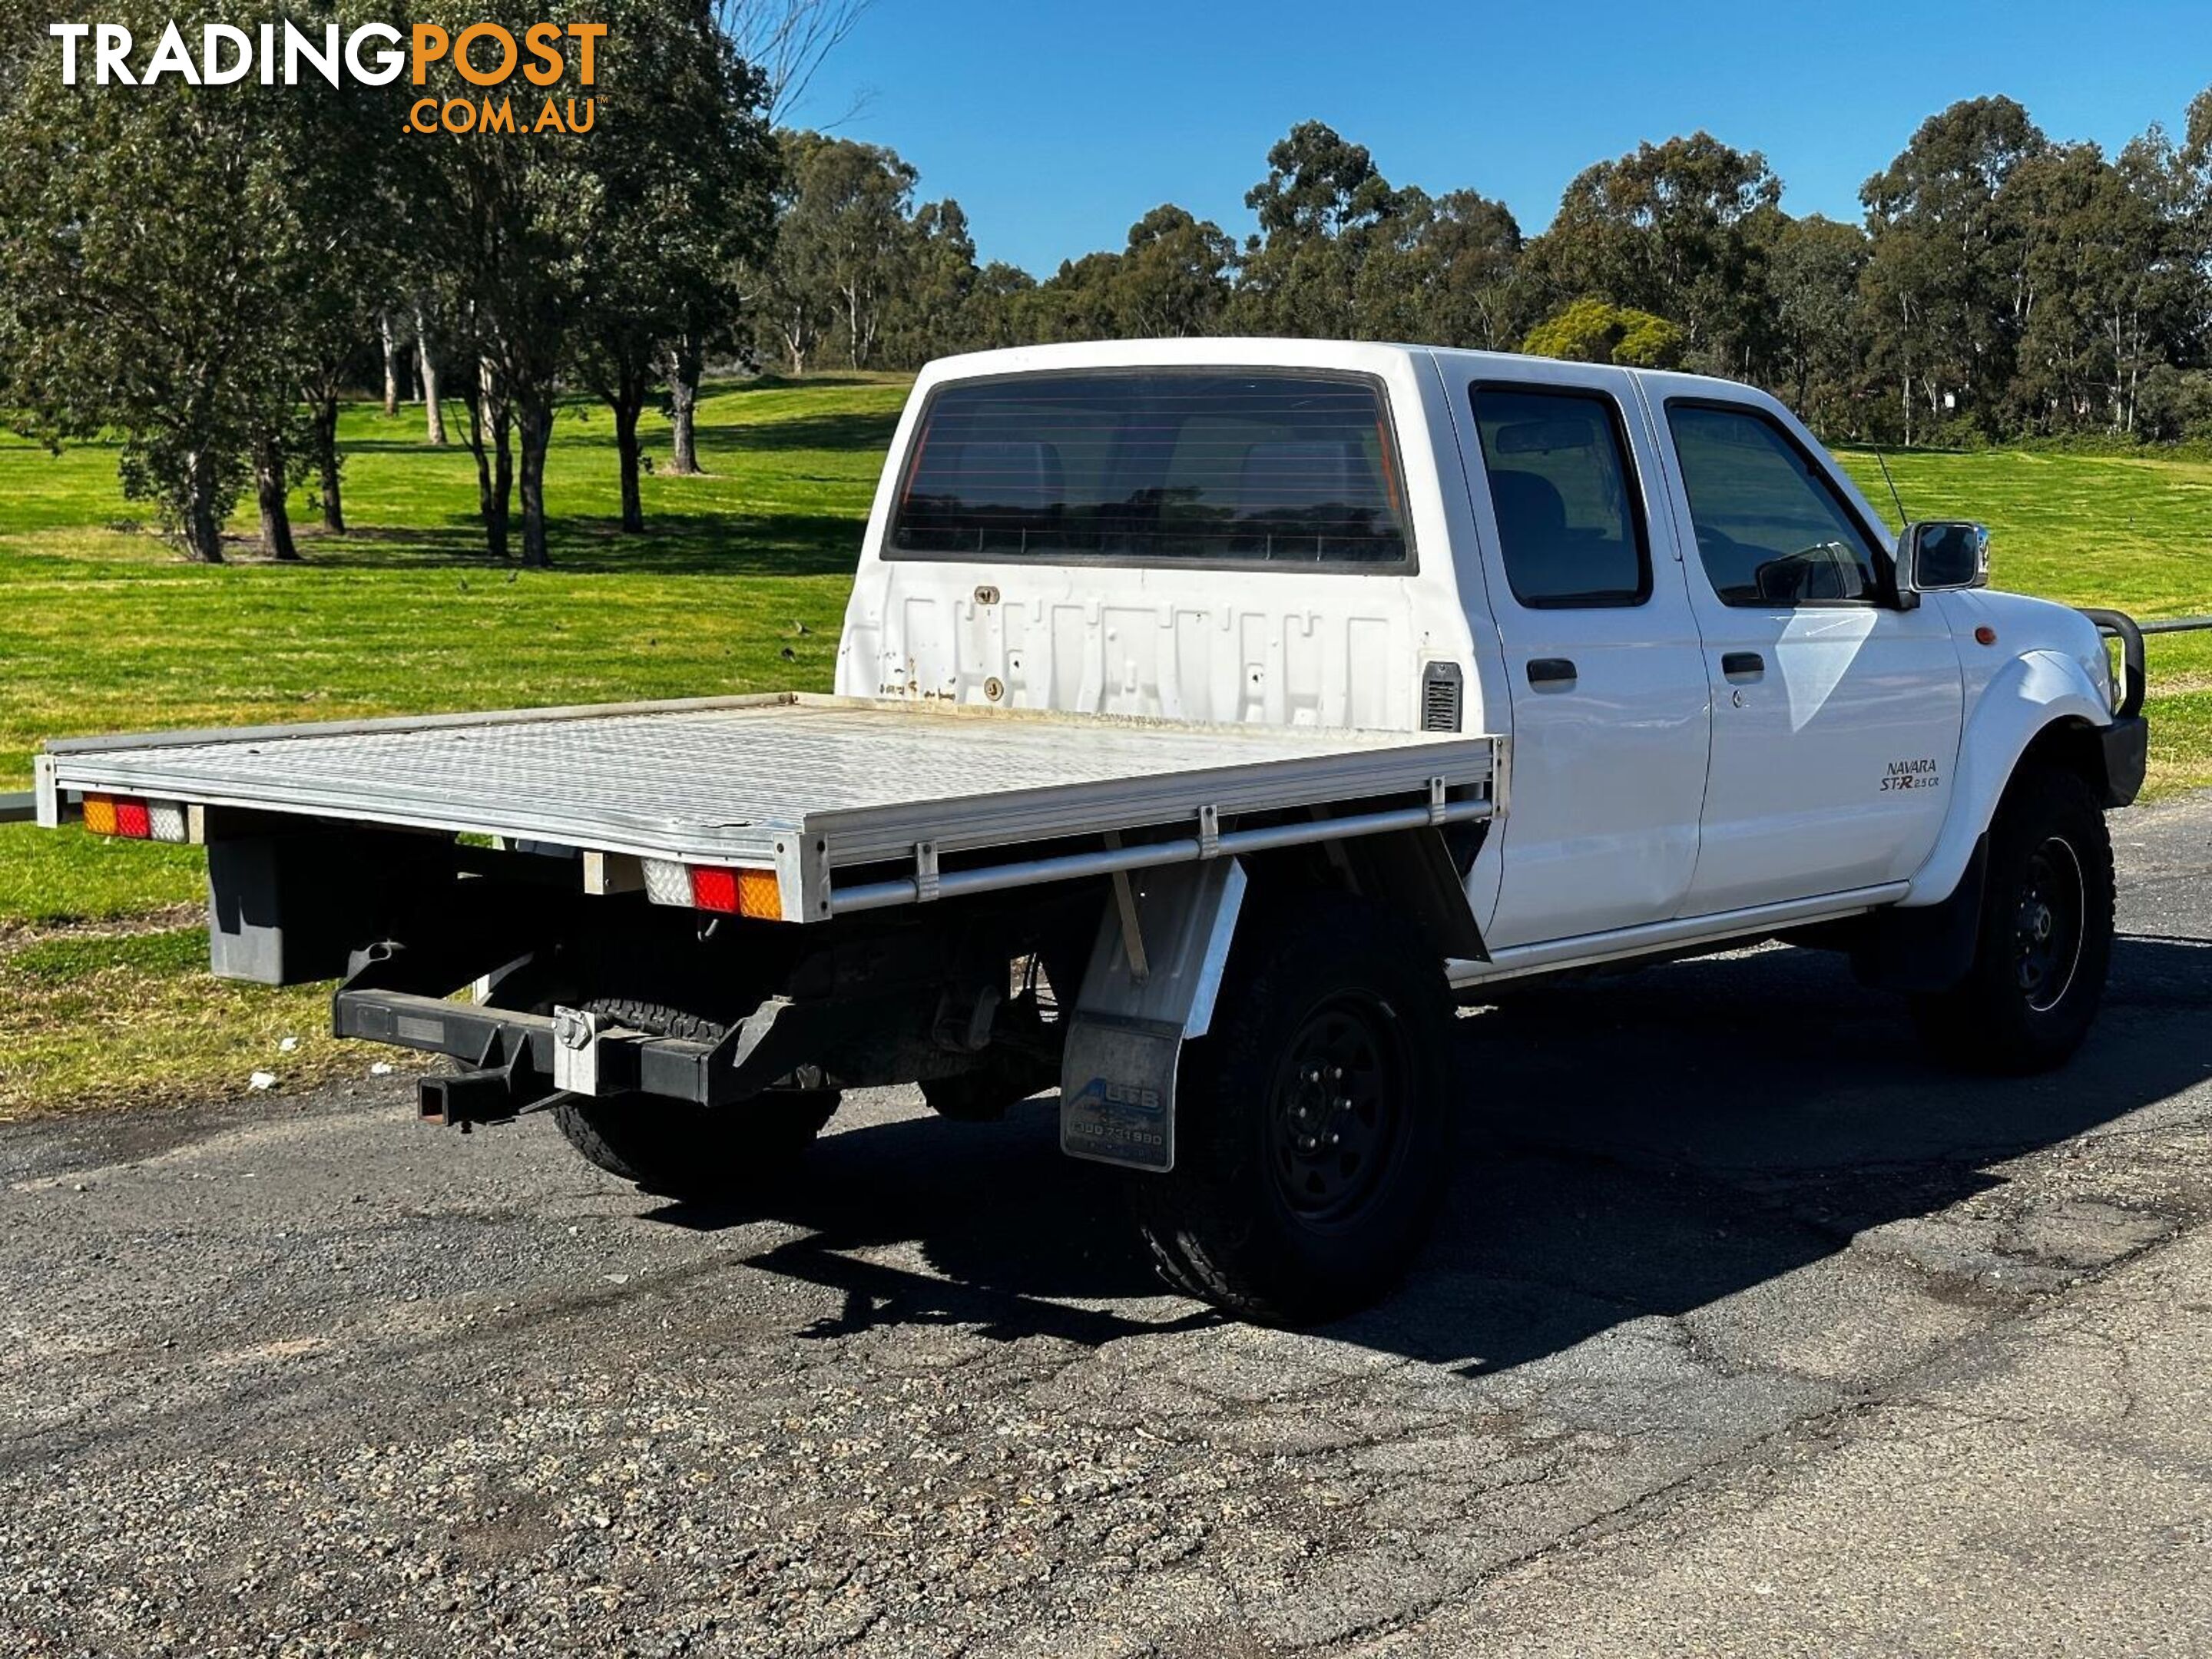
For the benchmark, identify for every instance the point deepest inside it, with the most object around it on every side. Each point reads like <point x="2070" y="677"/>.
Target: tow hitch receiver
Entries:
<point x="466" y="1097"/>
<point x="591" y="1056"/>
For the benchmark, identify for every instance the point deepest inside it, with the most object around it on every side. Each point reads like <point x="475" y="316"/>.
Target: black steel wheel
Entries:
<point x="1312" y="1122"/>
<point x="1339" y="1108"/>
<point x="2047" y="925"/>
<point x="2044" y="940"/>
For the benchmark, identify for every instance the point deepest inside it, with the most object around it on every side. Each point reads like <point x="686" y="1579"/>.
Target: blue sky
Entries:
<point x="1057" y="125"/>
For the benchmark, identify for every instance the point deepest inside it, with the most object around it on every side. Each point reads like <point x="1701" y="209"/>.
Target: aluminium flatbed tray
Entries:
<point x="782" y="780"/>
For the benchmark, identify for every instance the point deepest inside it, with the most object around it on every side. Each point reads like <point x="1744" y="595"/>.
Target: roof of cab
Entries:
<point x="1253" y="351"/>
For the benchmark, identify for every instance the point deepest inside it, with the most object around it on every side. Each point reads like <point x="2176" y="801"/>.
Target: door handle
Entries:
<point x="1551" y="671"/>
<point x="1746" y="663"/>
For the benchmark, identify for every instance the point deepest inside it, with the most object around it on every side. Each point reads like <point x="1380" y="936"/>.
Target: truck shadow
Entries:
<point x="1631" y="1147"/>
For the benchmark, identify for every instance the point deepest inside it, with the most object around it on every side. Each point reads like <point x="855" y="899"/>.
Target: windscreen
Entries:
<point x="1156" y="467"/>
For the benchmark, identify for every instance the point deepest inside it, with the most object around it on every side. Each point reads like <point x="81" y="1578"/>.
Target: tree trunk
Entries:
<point x="202" y="535"/>
<point x="390" y="362"/>
<point x="533" y="421"/>
<point x="472" y="399"/>
<point x="628" y="403"/>
<point x="502" y="478"/>
<point x="268" y="488"/>
<point x="490" y="425"/>
<point x="326" y="461"/>
<point x="434" y="414"/>
<point x="856" y="350"/>
<point x="687" y="363"/>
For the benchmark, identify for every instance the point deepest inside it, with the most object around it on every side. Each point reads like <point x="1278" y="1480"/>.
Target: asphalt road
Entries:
<point x="1747" y="1332"/>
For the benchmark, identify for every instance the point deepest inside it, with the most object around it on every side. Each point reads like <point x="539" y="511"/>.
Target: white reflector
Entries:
<point x="667" y="881"/>
<point x="165" y="819"/>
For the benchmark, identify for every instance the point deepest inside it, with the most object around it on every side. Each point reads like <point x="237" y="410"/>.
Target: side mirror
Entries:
<point x="1941" y="553"/>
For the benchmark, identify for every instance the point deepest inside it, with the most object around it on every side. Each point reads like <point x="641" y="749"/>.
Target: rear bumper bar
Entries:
<point x="519" y="1048"/>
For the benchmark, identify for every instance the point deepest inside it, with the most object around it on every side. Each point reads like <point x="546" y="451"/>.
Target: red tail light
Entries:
<point x="118" y="815"/>
<point x="754" y="893"/>
<point x="714" y="889"/>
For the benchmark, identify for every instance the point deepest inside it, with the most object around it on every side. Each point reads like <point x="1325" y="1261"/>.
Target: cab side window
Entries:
<point x="1569" y="521"/>
<point x="1771" y="528"/>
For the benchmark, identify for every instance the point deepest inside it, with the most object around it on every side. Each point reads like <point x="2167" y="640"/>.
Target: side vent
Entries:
<point x="1441" y="684"/>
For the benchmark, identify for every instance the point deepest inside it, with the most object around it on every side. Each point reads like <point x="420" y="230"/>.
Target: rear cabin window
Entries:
<point x="1157" y="467"/>
<point x="1562" y="489"/>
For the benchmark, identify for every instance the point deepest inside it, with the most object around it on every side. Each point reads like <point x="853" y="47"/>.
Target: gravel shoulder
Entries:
<point x="1745" y="1332"/>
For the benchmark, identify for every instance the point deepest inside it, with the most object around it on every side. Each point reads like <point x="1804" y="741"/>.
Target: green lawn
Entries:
<point x="105" y="630"/>
<point x="739" y="585"/>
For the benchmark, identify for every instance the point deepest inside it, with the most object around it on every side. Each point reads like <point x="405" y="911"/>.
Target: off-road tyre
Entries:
<point x="1264" y="1215"/>
<point x="674" y="1149"/>
<point x="2044" y="940"/>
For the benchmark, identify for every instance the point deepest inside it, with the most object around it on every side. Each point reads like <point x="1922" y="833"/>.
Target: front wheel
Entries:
<point x="2044" y="940"/>
<point x="1312" y="1122"/>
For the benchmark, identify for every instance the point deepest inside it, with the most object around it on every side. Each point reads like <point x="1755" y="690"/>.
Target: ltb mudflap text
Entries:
<point x="1117" y="1102"/>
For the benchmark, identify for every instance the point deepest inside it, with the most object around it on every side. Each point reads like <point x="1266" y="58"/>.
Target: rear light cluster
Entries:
<point x="137" y="820"/>
<point x="716" y="888"/>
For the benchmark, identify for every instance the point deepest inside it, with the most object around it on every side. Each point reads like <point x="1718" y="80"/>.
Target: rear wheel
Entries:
<point x="2045" y="936"/>
<point x="1312" y="1122"/>
<point x="676" y="1148"/>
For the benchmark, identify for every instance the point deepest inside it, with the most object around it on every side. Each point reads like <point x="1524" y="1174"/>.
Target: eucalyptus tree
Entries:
<point x="783" y="43"/>
<point x="682" y="200"/>
<point x="842" y="249"/>
<point x="1946" y="282"/>
<point x="1323" y="208"/>
<point x="1174" y="275"/>
<point x="1677" y="230"/>
<point x="506" y="218"/>
<point x="928" y="312"/>
<point x="1813" y="266"/>
<point x="1446" y="272"/>
<point x="161" y="254"/>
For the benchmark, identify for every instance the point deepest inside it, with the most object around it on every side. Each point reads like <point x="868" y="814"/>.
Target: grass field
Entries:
<point x="739" y="585"/>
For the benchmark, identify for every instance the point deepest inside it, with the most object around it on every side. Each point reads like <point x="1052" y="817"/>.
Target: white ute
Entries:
<point x="1210" y="715"/>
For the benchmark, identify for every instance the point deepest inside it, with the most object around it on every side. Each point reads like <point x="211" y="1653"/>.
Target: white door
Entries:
<point x="1610" y="706"/>
<point x="1836" y="714"/>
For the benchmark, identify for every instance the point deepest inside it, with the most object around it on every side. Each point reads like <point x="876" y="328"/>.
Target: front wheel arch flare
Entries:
<point x="2037" y="692"/>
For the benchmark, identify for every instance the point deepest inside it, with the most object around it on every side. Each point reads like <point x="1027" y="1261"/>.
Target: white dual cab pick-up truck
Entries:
<point x="1212" y="716"/>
